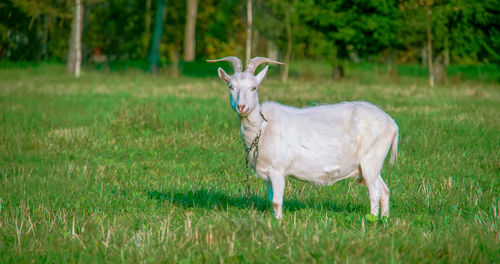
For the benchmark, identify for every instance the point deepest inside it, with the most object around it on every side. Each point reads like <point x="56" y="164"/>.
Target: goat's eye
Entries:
<point x="255" y="88"/>
<point x="230" y="87"/>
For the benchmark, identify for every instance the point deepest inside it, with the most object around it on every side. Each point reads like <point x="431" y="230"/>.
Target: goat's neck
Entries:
<point x="251" y="125"/>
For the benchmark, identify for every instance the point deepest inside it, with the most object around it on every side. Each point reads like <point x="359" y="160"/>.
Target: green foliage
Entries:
<point x="113" y="27"/>
<point x="362" y="27"/>
<point x="220" y="29"/>
<point x="34" y="30"/>
<point x="372" y="30"/>
<point x="469" y="29"/>
<point x="117" y="167"/>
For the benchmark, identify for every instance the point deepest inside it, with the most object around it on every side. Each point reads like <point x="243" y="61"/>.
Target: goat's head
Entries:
<point x="243" y="85"/>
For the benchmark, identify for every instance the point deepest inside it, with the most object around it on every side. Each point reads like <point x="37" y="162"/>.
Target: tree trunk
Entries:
<point x="147" y="27"/>
<point x="190" y="32"/>
<point x="75" y="43"/>
<point x="429" y="45"/>
<point x="70" y="60"/>
<point x="43" y="36"/>
<point x="439" y="70"/>
<point x="338" y="69"/>
<point x="446" y="51"/>
<point x="174" y="67"/>
<point x="255" y="41"/>
<point x="272" y="50"/>
<point x="249" y="31"/>
<point x="288" y="54"/>
<point x="78" y="37"/>
<point x="338" y="66"/>
<point x="154" y="52"/>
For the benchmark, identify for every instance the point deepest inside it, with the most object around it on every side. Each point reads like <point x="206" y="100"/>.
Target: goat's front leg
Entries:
<point x="269" y="190"/>
<point x="277" y="184"/>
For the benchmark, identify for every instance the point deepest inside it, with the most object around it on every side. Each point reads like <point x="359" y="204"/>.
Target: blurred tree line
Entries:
<point x="389" y="31"/>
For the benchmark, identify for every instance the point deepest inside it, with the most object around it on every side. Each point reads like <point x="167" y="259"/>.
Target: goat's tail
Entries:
<point x="394" y="148"/>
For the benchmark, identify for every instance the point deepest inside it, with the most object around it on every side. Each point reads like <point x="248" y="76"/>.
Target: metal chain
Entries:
<point x="249" y="167"/>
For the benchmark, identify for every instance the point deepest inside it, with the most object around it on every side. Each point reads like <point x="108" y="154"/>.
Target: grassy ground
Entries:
<point x="136" y="168"/>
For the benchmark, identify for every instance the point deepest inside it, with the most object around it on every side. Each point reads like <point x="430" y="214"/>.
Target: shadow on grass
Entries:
<point x="209" y="199"/>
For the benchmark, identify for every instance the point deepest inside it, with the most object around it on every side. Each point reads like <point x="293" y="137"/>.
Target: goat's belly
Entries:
<point x="326" y="176"/>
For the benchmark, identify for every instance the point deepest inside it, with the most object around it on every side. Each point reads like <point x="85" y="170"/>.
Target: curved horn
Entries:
<point x="255" y="62"/>
<point x="235" y="61"/>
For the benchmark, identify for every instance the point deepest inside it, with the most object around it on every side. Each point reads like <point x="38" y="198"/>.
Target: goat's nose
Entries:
<point x="240" y="107"/>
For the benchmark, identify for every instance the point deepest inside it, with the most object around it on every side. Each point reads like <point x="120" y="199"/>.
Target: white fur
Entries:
<point x="321" y="144"/>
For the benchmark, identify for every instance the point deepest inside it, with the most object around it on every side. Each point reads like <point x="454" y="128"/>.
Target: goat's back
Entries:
<point x="345" y="113"/>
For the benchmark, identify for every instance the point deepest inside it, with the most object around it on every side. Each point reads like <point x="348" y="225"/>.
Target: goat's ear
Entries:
<point x="223" y="75"/>
<point x="261" y="75"/>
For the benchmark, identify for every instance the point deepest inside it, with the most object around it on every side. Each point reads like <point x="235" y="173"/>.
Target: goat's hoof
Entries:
<point x="277" y="211"/>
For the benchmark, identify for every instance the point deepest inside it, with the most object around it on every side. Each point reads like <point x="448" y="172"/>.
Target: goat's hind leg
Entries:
<point x="371" y="166"/>
<point x="370" y="173"/>
<point x="384" y="198"/>
<point x="377" y="190"/>
<point x="375" y="194"/>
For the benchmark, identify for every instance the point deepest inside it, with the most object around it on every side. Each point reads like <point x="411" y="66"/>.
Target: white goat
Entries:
<point x="321" y="144"/>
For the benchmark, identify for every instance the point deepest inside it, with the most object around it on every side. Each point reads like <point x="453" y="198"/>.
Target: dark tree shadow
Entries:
<point x="209" y="199"/>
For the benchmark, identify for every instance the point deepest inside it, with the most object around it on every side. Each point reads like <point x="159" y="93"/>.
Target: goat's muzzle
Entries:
<point x="241" y="110"/>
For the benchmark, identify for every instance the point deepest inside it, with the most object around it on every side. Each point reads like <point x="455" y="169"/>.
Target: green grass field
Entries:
<point x="129" y="167"/>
